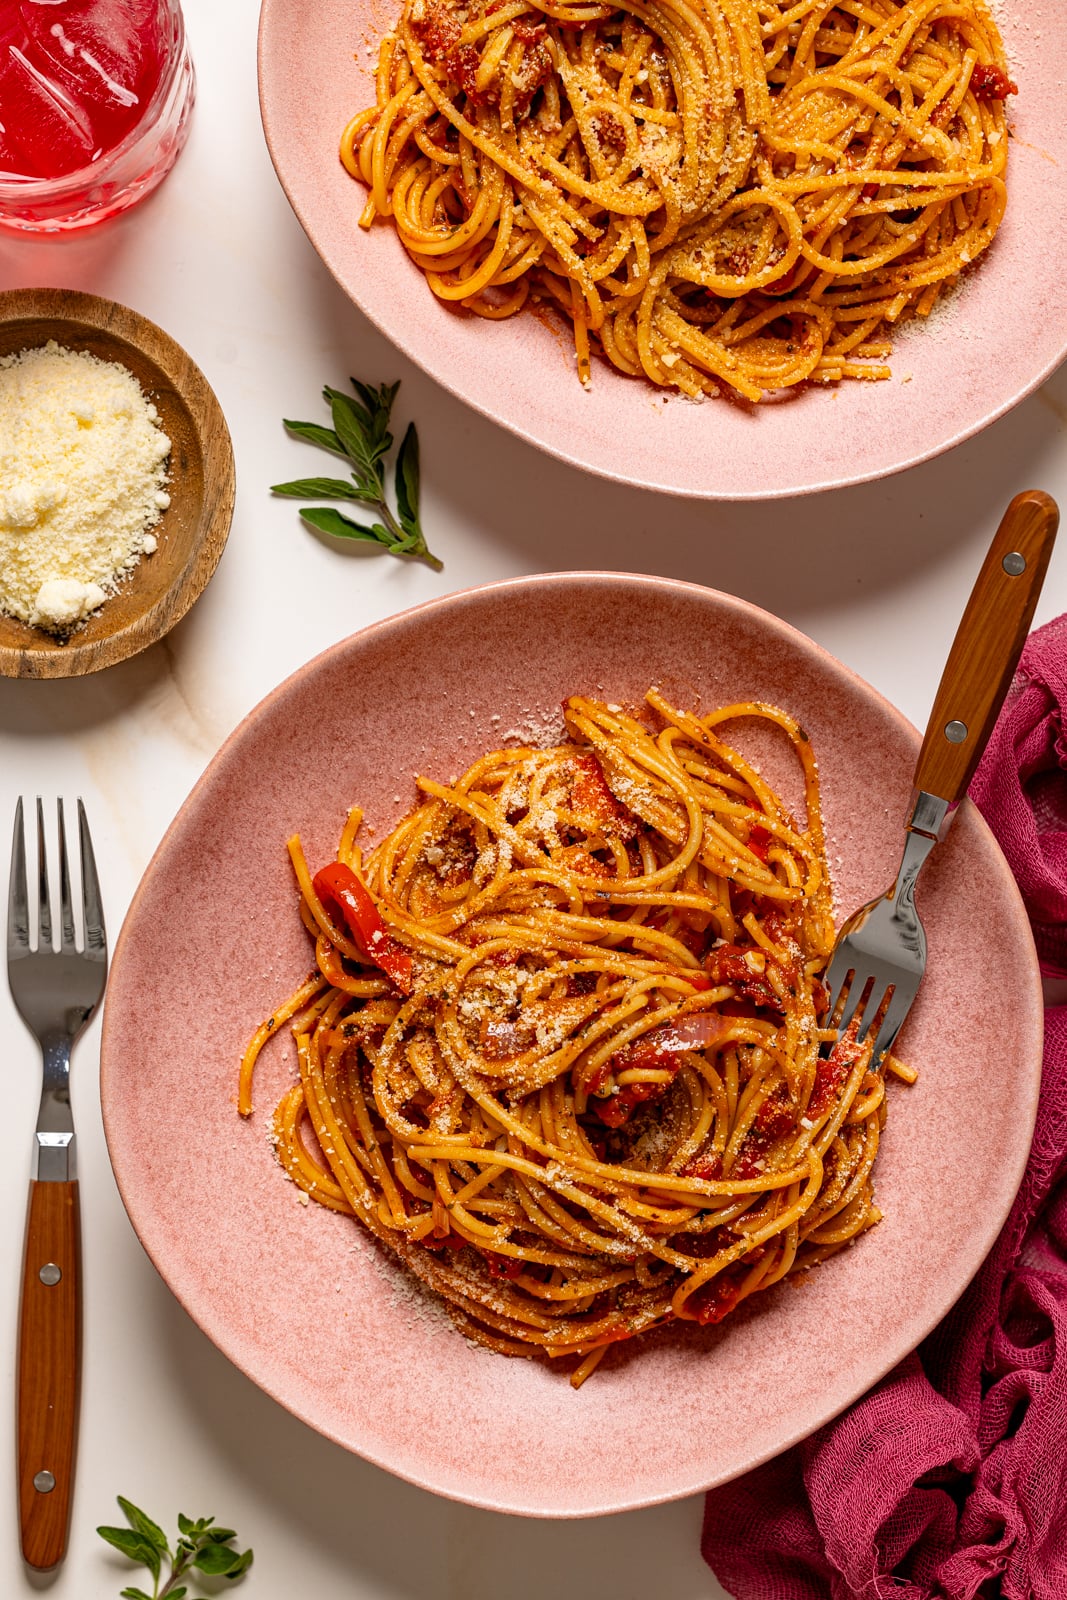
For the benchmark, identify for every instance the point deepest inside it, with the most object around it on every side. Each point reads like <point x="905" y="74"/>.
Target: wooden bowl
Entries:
<point x="193" y="529"/>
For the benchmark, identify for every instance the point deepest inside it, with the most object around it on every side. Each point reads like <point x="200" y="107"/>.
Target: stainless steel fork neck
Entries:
<point x="930" y="815"/>
<point x="54" y="1138"/>
<point x="929" y="821"/>
<point x="917" y="847"/>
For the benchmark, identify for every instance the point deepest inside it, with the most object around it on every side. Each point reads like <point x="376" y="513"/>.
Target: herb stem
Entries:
<point x="179" y="1567"/>
<point x="360" y="434"/>
<point x="390" y="521"/>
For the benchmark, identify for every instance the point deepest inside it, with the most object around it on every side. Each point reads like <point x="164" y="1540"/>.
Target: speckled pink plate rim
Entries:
<point x="215" y="1315"/>
<point x="1002" y="335"/>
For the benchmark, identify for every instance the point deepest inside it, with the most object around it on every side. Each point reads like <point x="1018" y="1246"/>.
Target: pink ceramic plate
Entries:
<point x="1002" y="335"/>
<point x="300" y="1299"/>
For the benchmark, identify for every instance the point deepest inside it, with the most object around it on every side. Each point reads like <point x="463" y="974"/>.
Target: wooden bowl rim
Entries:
<point x="110" y="318"/>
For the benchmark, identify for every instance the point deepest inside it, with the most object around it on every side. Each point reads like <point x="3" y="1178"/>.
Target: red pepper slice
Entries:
<point x="727" y="964"/>
<point x="833" y="1070"/>
<point x="448" y="1241"/>
<point x="594" y="802"/>
<point x="503" y="1266"/>
<point x="760" y="841"/>
<point x="348" y="901"/>
<point x="615" y="1110"/>
<point x="660" y="1049"/>
<point x="707" y="1168"/>
<point x="715" y="1300"/>
<point x="990" y="82"/>
<point x="786" y="282"/>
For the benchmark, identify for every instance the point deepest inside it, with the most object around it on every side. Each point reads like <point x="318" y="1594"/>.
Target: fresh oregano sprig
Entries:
<point x="201" y="1547"/>
<point x="360" y="434"/>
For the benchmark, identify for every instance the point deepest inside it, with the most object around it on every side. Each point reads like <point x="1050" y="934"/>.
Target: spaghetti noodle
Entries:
<point x="726" y="196"/>
<point x="563" y="1051"/>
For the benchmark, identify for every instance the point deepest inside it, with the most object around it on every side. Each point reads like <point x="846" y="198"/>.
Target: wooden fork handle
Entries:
<point x="987" y="646"/>
<point x="49" y="1370"/>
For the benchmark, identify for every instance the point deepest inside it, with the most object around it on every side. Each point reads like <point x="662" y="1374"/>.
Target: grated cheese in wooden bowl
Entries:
<point x="82" y="476"/>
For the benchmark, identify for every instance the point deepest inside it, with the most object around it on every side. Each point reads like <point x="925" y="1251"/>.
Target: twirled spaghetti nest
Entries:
<point x="726" y="195"/>
<point x="564" y="1049"/>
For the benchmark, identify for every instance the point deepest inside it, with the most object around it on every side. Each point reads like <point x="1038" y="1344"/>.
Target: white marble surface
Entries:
<point x="877" y="574"/>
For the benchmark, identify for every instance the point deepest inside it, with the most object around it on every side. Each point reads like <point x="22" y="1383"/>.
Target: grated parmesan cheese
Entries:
<point x="82" y="469"/>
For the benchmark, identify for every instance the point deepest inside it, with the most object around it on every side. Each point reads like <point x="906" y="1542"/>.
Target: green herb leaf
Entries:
<point x="342" y="527"/>
<point x="355" y="429"/>
<point x="185" y="1524"/>
<point x="134" y="1545"/>
<point x="407" y="480"/>
<point x="318" y="489"/>
<point x="139" y="1594"/>
<point x="361" y="433"/>
<point x="367" y="395"/>
<point x="325" y="438"/>
<point x="364" y="415"/>
<point x="145" y="1526"/>
<point x="379" y="404"/>
<point x="222" y="1535"/>
<point x="221" y="1562"/>
<point x="177" y="1594"/>
<point x="407" y="498"/>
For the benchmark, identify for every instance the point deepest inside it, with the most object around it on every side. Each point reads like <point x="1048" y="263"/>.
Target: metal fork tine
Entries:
<point x="92" y="905"/>
<point x="66" y="908"/>
<point x="852" y="1002"/>
<point x="892" y="1023"/>
<point x="871" y="1011"/>
<point x="44" y="904"/>
<point x="836" y="977"/>
<point x="18" y="905"/>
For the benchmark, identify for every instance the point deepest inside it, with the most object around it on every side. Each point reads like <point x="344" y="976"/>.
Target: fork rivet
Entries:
<point x="1014" y="564"/>
<point x="44" y="1482"/>
<point x="50" y="1274"/>
<point x="956" y="732"/>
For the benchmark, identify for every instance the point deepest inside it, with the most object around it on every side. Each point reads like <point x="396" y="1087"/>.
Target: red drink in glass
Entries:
<point x="94" y="104"/>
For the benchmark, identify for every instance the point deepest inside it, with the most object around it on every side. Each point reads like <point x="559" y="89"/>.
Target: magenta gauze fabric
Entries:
<point x="948" y="1481"/>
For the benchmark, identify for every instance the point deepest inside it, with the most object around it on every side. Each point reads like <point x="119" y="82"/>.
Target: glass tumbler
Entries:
<point x="95" y="98"/>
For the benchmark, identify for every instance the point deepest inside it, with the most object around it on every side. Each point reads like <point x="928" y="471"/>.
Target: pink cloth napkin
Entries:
<point x="948" y="1481"/>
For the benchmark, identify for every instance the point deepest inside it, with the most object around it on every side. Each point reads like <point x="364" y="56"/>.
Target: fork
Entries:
<point x="880" y="955"/>
<point x="56" y="992"/>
